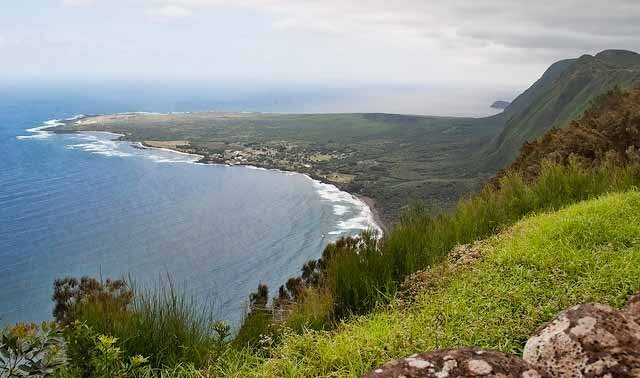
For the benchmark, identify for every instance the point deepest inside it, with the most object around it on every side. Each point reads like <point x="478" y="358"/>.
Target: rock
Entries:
<point x="591" y="340"/>
<point x="632" y="309"/>
<point x="500" y="104"/>
<point x="465" y="362"/>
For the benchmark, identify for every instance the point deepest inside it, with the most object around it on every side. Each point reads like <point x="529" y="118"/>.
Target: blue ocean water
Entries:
<point x="83" y="204"/>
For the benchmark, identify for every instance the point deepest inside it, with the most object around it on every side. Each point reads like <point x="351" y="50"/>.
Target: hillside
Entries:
<point x="491" y="295"/>
<point x="609" y="130"/>
<point x="562" y="93"/>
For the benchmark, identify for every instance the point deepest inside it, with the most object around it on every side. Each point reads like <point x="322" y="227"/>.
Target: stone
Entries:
<point x="591" y="340"/>
<point x="464" y="362"/>
<point x="632" y="309"/>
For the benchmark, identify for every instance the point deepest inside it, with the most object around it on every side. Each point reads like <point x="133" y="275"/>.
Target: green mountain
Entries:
<point x="609" y="131"/>
<point x="563" y="93"/>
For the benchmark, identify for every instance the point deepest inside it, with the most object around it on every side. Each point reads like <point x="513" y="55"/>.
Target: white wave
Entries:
<point x="105" y="143"/>
<point x="98" y="146"/>
<point x="41" y="132"/>
<point x="340" y="209"/>
<point x="345" y="205"/>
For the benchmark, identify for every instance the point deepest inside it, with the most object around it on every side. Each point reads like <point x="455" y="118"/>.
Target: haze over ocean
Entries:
<point x="86" y="205"/>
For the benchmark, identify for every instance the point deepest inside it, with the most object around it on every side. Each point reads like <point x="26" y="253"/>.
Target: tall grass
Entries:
<point x="165" y="324"/>
<point x="363" y="278"/>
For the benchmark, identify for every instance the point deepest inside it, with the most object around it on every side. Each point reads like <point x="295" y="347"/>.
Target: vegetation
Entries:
<point x="164" y="325"/>
<point x="28" y="350"/>
<point x="562" y="94"/>
<point x="561" y="226"/>
<point x="362" y="275"/>
<point x="540" y="266"/>
<point x="608" y="130"/>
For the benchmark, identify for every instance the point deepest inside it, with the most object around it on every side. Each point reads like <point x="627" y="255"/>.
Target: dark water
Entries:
<point x="86" y="205"/>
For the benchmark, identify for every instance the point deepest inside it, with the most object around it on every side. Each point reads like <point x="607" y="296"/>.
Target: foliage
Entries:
<point x="97" y="356"/>
<point x="28" y="350"/>
<point x="108" y="360"/>
<point x="257" y="329"/>
<point x="313" y="310"/>
<point x="70" y="293"/>
<point x="562" y="94"/>
<point x="589" y="252"/>
<point x="361" y="279"/>
<point x="609" y="130"/>
<point x="165" y="324"/>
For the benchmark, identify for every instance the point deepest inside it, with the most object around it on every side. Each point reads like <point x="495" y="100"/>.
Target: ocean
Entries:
<point x="85" y="204"/>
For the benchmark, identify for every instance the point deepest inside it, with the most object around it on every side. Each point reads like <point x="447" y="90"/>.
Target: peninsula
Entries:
<point x="386" y="159"/>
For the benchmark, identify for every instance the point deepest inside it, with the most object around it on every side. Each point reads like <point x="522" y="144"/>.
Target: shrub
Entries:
<point x="69" y="293"/>
<point x="362" y="276"/>
<point x="164" y="324"/>
<point x="29" y="350"/>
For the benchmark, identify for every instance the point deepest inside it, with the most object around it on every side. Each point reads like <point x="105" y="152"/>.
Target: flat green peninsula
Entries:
<point x="391" y="159"/>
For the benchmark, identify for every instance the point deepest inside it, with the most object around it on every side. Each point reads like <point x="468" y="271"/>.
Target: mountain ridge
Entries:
<point x="561" y="94"/>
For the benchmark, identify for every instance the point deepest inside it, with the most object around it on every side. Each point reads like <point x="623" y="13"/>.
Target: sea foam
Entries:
<point x="357" y="216"/>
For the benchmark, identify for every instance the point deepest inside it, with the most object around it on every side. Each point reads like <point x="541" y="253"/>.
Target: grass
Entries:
<point x="164" y="324"/>
<point x="540" y="266"/>
<point x="361" y="280"/>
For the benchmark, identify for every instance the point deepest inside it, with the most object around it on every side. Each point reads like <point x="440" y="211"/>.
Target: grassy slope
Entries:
<point x="542" y="265"/>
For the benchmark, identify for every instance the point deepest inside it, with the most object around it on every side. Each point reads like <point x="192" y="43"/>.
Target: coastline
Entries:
<point x="375" y="212"/>
<point x="367" y="202"/>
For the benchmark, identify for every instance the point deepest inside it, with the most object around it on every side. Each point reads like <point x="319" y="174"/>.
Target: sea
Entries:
<point x="89" y="205"/>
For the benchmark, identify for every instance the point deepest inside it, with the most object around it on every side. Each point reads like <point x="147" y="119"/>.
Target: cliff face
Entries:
<point x="562" y="93"/>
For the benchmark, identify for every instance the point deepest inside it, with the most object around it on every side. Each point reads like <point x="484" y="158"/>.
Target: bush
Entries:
<point x="29" y="350"/>
<point x="165" y="325"/>
<point x="362" y="276"/>
<point x="69" y="293"/>
<point x="313" y="310"/>
<point x="258" y="329"/>
<point x="589" y="252"/>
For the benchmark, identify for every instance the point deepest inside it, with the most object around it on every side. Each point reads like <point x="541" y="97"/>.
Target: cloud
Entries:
<point x="560" y="25"/>
<point x="3" y="41"/>
<point x="78" y="3"/>
<point x="405" y="41"/>
<point x="169" y="12"/>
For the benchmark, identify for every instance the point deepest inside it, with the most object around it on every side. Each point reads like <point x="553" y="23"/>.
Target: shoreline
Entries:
<point x="375" y="212"/>
<point x="369" y="203"/>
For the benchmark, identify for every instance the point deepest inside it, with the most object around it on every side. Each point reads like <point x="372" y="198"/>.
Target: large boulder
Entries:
<point x="591" y="340"/>
<point x="465" y="362"/>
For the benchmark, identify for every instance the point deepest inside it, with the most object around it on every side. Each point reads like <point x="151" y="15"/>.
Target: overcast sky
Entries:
<point x="506" y="42"/>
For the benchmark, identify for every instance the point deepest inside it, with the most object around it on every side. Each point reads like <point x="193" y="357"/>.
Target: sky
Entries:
<point x="400" y="42"/>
